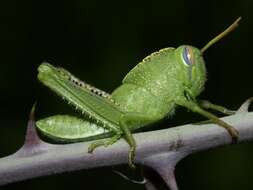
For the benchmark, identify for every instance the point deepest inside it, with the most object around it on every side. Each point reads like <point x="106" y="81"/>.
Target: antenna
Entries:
<point x="221" y="35"/>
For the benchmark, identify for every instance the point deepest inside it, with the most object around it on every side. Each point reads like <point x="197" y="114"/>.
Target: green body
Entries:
<point x="149" y="92"/>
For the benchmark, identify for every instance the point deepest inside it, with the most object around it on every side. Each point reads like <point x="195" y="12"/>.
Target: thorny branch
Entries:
<point x="160" y="150"/>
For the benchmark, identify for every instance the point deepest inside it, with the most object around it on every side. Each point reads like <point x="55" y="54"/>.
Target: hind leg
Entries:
<point x="105" y="142"/>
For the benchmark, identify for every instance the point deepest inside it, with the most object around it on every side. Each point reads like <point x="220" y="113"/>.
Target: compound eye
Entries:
<point x="187" y="56"/>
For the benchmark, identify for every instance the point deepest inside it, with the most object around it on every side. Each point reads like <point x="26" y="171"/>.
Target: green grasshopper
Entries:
<point x="149" y="92"/>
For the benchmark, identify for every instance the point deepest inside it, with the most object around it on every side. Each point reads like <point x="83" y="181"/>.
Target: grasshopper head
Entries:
<point x="192" y="70"/>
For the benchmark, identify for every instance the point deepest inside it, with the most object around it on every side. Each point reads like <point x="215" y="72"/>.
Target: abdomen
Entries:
<point x="136" y="99"/>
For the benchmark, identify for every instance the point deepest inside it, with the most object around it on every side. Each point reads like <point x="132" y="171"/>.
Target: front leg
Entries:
<point x="193" y="106"/>
<point x="208" y="105"/>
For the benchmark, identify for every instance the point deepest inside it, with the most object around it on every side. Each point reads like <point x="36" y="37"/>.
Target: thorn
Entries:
<point x="31" y="138"/>
<point x="33" y="108"/>
<point x="169" y="177"/>
<point x="33" y="144"/>
<point x="245" y="106"/>
<point x="164" y="164"/>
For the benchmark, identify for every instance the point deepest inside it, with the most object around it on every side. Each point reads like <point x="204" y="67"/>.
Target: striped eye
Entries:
<point x="187" y="56"/>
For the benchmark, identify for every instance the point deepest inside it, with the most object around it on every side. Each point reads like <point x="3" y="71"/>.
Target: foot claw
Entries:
<point x="90" y="149"/>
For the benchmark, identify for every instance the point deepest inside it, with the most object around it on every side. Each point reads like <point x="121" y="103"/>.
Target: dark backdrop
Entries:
<point x="100" y="41"/>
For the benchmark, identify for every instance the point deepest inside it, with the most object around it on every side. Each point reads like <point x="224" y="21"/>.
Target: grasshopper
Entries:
<point x="151" y="91"/>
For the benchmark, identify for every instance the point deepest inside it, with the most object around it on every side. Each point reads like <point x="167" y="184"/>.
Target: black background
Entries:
<point x="100" y="41"/>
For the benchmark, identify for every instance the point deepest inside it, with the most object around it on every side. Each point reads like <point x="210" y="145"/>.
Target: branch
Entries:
<point x="160" y="150"/>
